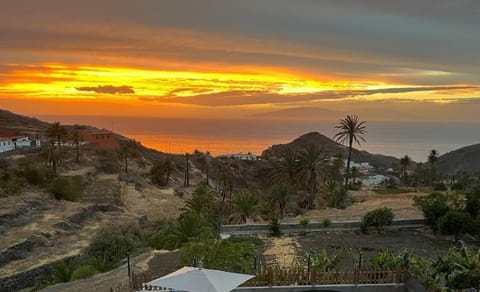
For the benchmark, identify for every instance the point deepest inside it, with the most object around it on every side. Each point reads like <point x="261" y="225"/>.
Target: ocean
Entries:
<point x="221" y="136"/>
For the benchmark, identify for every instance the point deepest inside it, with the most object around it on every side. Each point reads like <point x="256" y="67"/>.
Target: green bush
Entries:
<point x="472" y="203"/>
<point x="433" y="206"/>
<point x="304" y="222"/>
<point x="275" y="227"/>
<point x="110" y="245"/>
<point x="388" y="260"/>
<point x="35" y="175"/>
<point x="323" y="261"/>
<point x="10" y="184"/>
<point x="440" y="186"/>
<point x="457" y="187"/>
<point x="66" y="187"/>
<point x="454" y="223"/>
<point x="215" y="253"/>
<point x="377" y="218"/>
<point x="355" y="186"/>
<point x="326" y="222"/>
<point x="83" y="272"/>
<point x="161" y="171"/>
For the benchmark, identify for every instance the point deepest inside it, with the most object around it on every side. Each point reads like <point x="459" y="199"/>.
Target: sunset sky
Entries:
<point x="190" y="58"/>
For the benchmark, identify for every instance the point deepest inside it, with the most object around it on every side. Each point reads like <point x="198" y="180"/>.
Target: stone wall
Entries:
<point x="287" y="228"/>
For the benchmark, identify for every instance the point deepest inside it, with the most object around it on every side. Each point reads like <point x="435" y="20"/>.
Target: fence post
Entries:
<point x="270" y="277"/>
<point x="355" y="276"/>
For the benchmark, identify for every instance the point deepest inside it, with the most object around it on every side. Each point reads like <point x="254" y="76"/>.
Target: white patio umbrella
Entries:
<point x="200" y="280"/>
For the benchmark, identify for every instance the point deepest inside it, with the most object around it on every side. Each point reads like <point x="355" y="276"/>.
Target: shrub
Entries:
<point x="107" y="161"/>
<point x="83" y="272"/>
<point x="472" y="203"/>
<point x="66" y="187"/>
<point x="304" y="222"/>
<point x="34" y="175"/>
<point x="377" y="218"/>
<point x="355" y="186"/>
<point x="388" y="260"/>
<point x="215" y="253"/>
<point x="161" y="171"/>
<point x="457" y="187"/>
<point x="275" y="227"/>
<point x="324" y="262"/>
<point x="111" y="243"/>
<point x="433" y="207"/>
<point x="10" y="183"/>
<point x="326" y="222"/>
<point x="454" y="222"/>
<point x="440" y="186"/>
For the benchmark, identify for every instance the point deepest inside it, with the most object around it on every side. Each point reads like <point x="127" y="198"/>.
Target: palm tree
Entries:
<point x="432" y="159"/>
<point x="405" y="162"/>
<point x="355" y="174"/>
<point x="76" y="138"/>
<point x="127" y="150"/>
<point x="187" y="227"/>
<point x="56" y="132"/>
<point x="203" y="202"/>
<point x="311" y="170"/>
<point x="286" y="169"/>
<point x="245" y="207"/>
<point x="278" y="198"/>
<point x="351" y="130"/>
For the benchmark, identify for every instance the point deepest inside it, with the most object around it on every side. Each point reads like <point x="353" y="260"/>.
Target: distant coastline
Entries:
<point x="255" y="135"/>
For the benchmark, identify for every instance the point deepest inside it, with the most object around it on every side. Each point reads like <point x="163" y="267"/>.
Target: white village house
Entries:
<point x="362" y="167"/>
<point x="240" y="156"/>
<point x="6" y="144"/>
<point x="17" y="142"/>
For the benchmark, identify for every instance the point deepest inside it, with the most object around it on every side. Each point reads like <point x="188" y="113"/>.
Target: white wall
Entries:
<point x="6" y="145"/>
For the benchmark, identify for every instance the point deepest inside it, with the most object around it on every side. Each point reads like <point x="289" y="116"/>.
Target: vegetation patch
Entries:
<point x="378" y="218"/>
<point x="66" y="187"/>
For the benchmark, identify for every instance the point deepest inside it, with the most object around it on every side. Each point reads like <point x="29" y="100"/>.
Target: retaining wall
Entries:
<point x="287" y="228"/>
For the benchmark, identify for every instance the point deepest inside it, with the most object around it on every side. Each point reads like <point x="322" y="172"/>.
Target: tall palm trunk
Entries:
<point x="313" y="190"/>
<point x="347" y="171"/>
<point x="77" y="160"/>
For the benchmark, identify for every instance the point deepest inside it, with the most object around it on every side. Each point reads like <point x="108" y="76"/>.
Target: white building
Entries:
<point x="240" y="156"/>
<point x="362" y="167"/>
<point x="374" y="180"/>
<point x="17" y="142"/>
<point x="6" y="144"/>
<point x="22" y="142"/>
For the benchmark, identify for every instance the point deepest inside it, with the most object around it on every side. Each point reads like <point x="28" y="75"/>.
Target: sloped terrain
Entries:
<point x="38" y="230"/>
<point x="465" y="159"/>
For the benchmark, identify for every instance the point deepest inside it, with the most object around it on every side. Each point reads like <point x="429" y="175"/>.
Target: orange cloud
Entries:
<point x="110" y="89"/>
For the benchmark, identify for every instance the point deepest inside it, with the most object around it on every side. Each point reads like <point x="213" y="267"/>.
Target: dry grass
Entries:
<point x="402" y="205"/>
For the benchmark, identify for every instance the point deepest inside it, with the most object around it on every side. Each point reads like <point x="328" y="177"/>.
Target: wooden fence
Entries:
<point x="288" y="277"/>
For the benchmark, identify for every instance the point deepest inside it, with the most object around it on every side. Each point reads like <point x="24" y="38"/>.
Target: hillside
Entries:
<point x="465" y="159"/>
<point x="38" y="230"/>
<point x="10" y="122"/>
<point x="330" y="146"/>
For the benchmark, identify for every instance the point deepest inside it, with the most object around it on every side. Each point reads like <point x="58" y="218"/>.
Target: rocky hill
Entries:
<point x="330" y="146"/>
<point x="10" y="122"/>
<point x="465" y="159"/>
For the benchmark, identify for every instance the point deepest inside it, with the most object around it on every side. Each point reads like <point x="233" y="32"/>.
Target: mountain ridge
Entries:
<point x="332" y="147"/>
